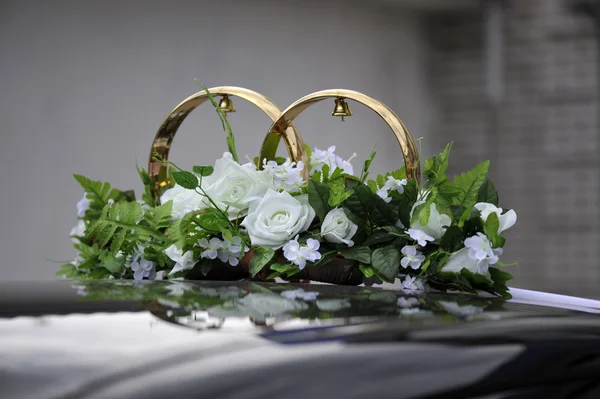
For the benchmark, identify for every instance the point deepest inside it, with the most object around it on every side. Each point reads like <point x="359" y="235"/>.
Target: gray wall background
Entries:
<point x="84" y="85"/>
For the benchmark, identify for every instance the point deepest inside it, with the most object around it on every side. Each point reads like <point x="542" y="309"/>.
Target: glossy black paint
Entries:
<point x="113" y="339"/>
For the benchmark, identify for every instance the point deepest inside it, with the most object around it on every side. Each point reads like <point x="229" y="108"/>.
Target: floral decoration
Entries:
<point x="264" y="218"/>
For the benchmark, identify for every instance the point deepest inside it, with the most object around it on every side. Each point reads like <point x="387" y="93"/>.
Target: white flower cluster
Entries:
<point x="227" y="251"/>
<point x="287" y="176"/>
<point x="392" y="184"/>
<point x="320" y="158"/>
<point x="478" y="253"/>
<point x="299" y="254"/>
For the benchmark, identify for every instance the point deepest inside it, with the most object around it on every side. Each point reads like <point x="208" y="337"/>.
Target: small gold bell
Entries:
<point x="226" y="105"/>
<point x="341" y="108"/>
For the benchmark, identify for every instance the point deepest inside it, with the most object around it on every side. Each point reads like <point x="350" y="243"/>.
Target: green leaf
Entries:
<point x="147" y="196"/>
<point x="203" y="170"/>
<point x="117" y="241"/>
<point x="490" y="228"/>
<point x="446" y="193"/>
<point x="212" y="220"/>
<point x="500" y="278"/>
<point x="367" y="271"/>
<point x="337" y="191"/>
<point x="159" y="217"/>
<point x="367" y="165"/>
<point x="367" y="205"/>
<point x="67" y="270"/>
<point x="186" y="179"/>
<point x="473" y="226"/>
<point x="112" y="264"/>
<point x="487" y="192"/>
<point x="469" y="183"/>
<point x="421" y="213"/>
<point x="386" y="261"/>
<point x="452" y="240"/>
<point x="205" y="265"/>
<point x="98" y="193"/>
<point x="359" y="253"/>
<point x="435" y="167"/>
<point x="318" y="198"/>
<point x="260" y="258"/>
<point x="378" y="237"/>
<point x="457" y="212"/>
<point x="99" y="274"/>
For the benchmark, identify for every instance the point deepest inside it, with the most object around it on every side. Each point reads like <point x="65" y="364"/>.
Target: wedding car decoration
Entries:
<point x="312" y="215"/>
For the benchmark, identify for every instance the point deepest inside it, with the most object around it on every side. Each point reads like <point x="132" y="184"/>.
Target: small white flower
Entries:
<point x="419" y="236"/>
<point x="337" y="228"/>
<point x="183" y="261"/>
<point x="230" y="251"/>
<point x="211" y="248"/>
<point x="407" y="303"/>
<point x="412" y="257"/>
<point x="320" y="158"/>
<point x="506" y="221"/>
<point x="300" y="254"/>
<point x="83" y="205"/>
<point x="411" y="283"/>
<point x="287" y="176"/>
<point x="481" y="249"/>
<point x="384" y="194"/>
<point x="78" y="231"/>
<point x="300" y="294"/>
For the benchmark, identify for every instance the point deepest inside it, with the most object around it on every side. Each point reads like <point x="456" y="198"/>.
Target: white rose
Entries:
<point x="461" y="260"/>
<point x="277" y="218"/>
<point x="235" y="186"/>
<point x="506" y="221"/>
<point x="337" y="228"/>
<point x="437" y="223"/>
<point x="183" y="261"/>
<point x="184" y="201"/>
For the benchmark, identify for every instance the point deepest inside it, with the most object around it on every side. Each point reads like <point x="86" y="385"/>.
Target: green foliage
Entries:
<point x="113" y="264"/>
<point x="185" y="179"/>
<point x="452" y="240"/>
<point x="386" y="261"/>
<point x="487" y="192"/>
<point x="318" y="198"/>
<point x="469" y="184"/>
<point x="203" y="170"/>
<point x="378" y="237"/>
<point x="337" y="191"/>
<point x="367" y="165"/>
<point x="435" y="167"/>
<point x="159" y="217"/>
<point x="368" y="206"/>
<point x="260" y="258"/>
<point x="147" y="196"/>
<point x="67" y="270"/>
<point x="361" y="254"/>
<point x="211" y="220"/>
<point x="98" y="194"/>
<point x="500" y="278"/>
<point x="490" y="227"/>
<point x="124" y="215"/>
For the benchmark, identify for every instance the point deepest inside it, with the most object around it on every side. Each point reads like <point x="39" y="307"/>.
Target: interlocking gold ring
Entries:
<point x="280" y="126"/>
<point x="164" y="137"/>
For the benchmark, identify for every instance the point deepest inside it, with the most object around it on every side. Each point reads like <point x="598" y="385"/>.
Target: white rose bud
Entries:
<point x="277" y="218"/>
<point x="337" y="228"/>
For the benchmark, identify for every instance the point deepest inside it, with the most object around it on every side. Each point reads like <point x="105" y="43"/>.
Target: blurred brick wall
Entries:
<point x="543" y="139"/>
